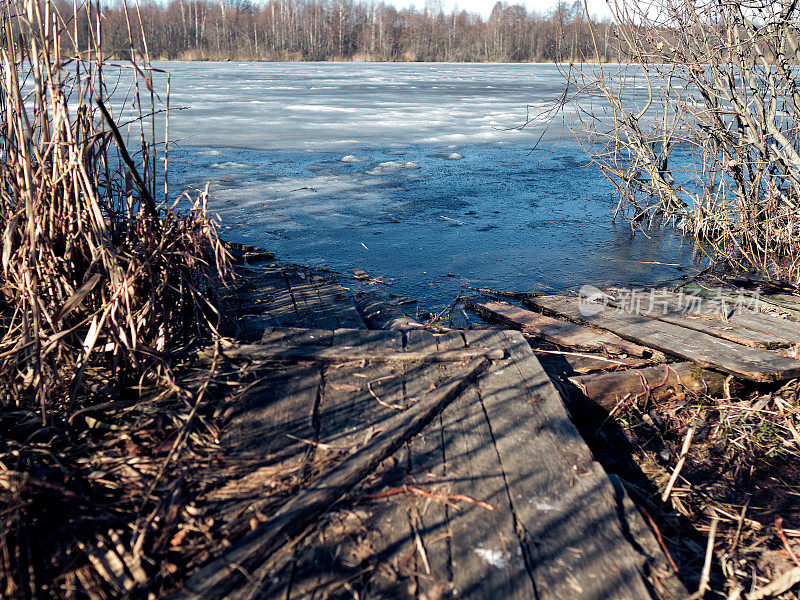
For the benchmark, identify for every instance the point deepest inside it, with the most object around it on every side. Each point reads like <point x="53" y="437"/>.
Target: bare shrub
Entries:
<point x="700" y="127"/>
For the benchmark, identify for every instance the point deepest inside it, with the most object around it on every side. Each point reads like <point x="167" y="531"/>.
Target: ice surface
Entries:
<point x="324" y="105"/>
<point x="410" y="171"/>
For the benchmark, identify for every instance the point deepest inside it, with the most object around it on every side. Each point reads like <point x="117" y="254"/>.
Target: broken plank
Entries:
<point x="753" y="364"/>
<point x="559" y="332"/>
<point x="608" y="389"/>
<point x="226" y="572"/>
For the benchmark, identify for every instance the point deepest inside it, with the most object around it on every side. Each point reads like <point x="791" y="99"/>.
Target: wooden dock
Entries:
<point x="745" y="344"/>
<point x="441" y="466"/>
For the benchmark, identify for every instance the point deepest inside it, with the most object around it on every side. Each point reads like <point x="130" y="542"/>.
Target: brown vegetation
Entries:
<point x="102" y="286"/>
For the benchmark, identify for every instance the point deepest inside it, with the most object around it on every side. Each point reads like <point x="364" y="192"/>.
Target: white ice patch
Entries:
<point x="544" y="505"/>
<point x="393" y="166"/>
<point x="496" y="558"/>
<point x="353" y="159"/>
<point x="231" y="165"/>
<point x="454" y="156"/>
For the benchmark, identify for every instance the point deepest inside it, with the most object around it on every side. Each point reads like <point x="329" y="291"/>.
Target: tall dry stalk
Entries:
<point x="99" y="283"/>
<point x="701" y="127"/>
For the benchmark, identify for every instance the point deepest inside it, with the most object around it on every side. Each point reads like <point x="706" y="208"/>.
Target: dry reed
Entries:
<point x="104" y="283"/>
<point x="94" y="272"/>
<point x="700" y="127"/>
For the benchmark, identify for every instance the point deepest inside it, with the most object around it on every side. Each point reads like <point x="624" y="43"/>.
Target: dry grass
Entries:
<point x="104" y="285"/>
<point x="94" y="271"/>
<point x="740" y="470"/>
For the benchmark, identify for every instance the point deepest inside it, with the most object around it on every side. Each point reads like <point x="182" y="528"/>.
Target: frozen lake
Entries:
<point x="414" y="172"/>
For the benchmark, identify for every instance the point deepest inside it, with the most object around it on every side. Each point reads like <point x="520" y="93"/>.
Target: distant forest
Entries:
<point x="350" y="30"/>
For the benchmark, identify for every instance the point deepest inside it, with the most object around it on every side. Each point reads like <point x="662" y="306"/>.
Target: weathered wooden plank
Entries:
<point x="276" y="407"/>
<point x="736" y="311"/>
<point x="664" y="580"/>
<point x="563" y="502"/>
<point x="471" y="551"/>
<point x="296" y="336"/>
<point x="364" y="339"/>
<point x="667" y="307"/>
<point x="487" y="557"/>
<point x="349" y="414"/>
<point x="701" y="348"/>
<point x="264" y="300"/>
<point x="607" y="389"/>
<point x="335" y="308"/>
<point x="348" y="353"/>
<point x="565" y="364"/>
<point x="307" y="302"/>
<point x="452" y="341"/>
<point x="226" y="572"/>
<point x="559" y="332"/>
<point x="426" y="469"/>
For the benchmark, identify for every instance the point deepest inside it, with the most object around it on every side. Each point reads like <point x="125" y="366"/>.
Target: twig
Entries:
<point x="705" y="575"/>
<point x="446" y="308"/>
<point x="377" y="399"/>
<point x="659" y="538"/>
<point x="686" y="442"/>
<point x="434" y="496"/>
<point x="785" y="540"/>
<point x="592" y="356"/>
<point x="777" y="586"/>
<point x="217" y="578"/>
<point x="149" y="202"/>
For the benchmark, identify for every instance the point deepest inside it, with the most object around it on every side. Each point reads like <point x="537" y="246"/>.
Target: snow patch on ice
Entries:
<point x="496" y="558"/>
<point x="231" y="165"/>
<point x="454" y="156"/>
<point x="350" y="158"/>
<point x="392" y="166"/>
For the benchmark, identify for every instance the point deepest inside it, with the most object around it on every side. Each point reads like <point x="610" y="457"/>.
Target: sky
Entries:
<point x="484" y="7"/>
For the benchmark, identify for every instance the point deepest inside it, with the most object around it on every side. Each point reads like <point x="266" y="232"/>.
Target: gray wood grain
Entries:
<point x="563" y="502"/>
<point x="562" y="333"/>
<point x="706" y="350"/>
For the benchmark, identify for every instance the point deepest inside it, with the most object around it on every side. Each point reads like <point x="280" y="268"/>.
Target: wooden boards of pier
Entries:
<point x="699" y="347"/>
<point x="269" y="297"/>
<point x="709" y="342"/>
<point x="498" y="497"/>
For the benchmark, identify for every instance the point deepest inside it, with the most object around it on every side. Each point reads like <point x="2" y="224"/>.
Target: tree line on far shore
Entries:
<point x="350" y="30"/>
